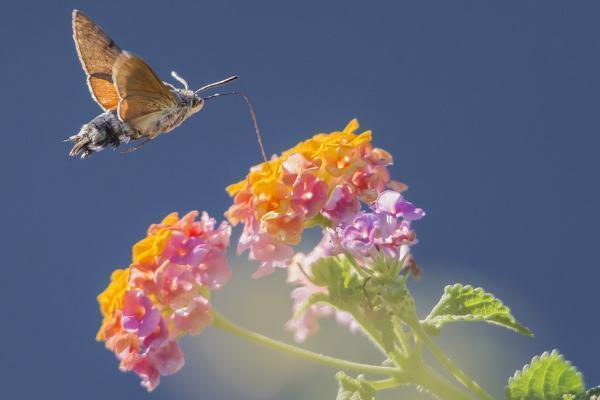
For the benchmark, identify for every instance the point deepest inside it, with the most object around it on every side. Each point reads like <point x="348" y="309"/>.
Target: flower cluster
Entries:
<point x="164" y="294"/>
<point x="325" y="180"/>
<point x="321" y="180"/>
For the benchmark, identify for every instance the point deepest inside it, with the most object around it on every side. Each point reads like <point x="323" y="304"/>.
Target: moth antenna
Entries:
<point x="217" y="84"/>
<point x="180" y="79"/>
<point x="252" y="114"/>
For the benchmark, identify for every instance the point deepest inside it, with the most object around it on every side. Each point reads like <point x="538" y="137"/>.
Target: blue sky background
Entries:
<point x="491" y="112"/>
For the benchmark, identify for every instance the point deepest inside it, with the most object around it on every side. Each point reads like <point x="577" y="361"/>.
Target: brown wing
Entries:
<point x="97" y="53"/>
<point x="144" y="99"/>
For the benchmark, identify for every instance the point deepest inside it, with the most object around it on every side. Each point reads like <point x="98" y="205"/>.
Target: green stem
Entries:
<point x="401" y="336"/>
<point x="428" y="379"/>
<point x="386" y="383"/>
<point x="447" y="363"/>
<point x="416" y="372"/>
<point x="226" y="325"/>
<point x="370" y="332"/>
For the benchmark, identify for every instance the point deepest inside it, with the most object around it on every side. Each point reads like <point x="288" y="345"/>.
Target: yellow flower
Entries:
<point x="331" y="153"/>
<point x="111" y="299"/>
<point x="337" y="154"/>
<point x="234" y="188"/>
<point x="146" y="250"/>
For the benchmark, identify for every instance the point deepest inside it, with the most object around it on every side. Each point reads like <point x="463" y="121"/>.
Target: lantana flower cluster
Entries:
<point x="164" y="294"/>
<point x="327" y="180"/>
<point x="323" y="179"/>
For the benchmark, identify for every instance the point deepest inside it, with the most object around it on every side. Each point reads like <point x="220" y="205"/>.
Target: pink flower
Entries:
<point x="158" y="337"/>
<point x="201" y="246"/>
<point x="144" y="368"/>
<point x="149" y="366"/>
<point x="370" y="181"/>
<point x="168" y="358"/>
<point x="175" y="284"/>
<point x="262" y="248"/>
<point x="307" y="323"/>
<point x="309" y="194"/>
<point x="343" y="204"/>
<point x="121" y="342"/>
<point x="194" y="317"/>
<point x="213" y="271"/>
<point x="139" y="314"/>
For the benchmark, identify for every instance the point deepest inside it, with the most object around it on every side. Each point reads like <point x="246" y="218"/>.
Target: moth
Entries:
<point x="137" y="104"/>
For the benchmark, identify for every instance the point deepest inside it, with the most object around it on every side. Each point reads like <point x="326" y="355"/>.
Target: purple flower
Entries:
<point x="370" y="232"/>
<point x="359" y="236"/>
<point x="393" y="203"/>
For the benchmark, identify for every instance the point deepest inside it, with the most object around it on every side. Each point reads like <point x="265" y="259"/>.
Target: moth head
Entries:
<point x="197" y="103"/>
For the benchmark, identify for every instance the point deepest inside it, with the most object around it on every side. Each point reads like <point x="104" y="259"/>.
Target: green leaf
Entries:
<point x="594" y="391"/>
<point x="591" y="394"/>
<point x="354" y="388"/>
<point x="547" y="377"/>
<point x="331" y="271"/>
<point x="465" y="303"/>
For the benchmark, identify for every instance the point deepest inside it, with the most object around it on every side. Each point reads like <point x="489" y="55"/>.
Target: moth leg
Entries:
<point x="136" y="147"/>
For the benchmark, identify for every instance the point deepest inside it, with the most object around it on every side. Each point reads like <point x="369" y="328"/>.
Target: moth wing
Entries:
<point x="97" y="53"/>
<point x="144" y="99"/>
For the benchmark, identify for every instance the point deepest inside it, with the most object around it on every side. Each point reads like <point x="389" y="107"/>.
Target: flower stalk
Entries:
<point x="459" y="374"/>
<point x="412" y="372"/>
<point x="224" y="324"/>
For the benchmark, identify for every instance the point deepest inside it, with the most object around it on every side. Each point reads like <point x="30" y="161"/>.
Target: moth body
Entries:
<point x="137" y="104"/>
<point x="108" y="130"/>
<point x="187" y="104"/>
<point x="104" y="130"/>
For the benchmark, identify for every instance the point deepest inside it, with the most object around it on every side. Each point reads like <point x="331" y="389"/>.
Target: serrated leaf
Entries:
<point x="354" y="388"/>
<point x="547" y="377"/>
<point x="591" y="394"/>
<point x="465" y="304"/>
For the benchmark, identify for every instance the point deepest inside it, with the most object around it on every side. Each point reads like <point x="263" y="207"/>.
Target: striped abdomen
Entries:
<point x="104" y="130"/>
